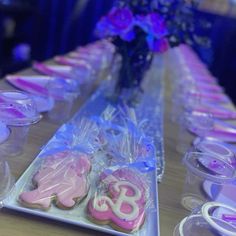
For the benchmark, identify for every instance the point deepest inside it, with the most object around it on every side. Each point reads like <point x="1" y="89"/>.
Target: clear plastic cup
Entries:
<point x="63" y="93"/>
<point x="184" y="136"/>
<point x="203" y="167"/>
<point x="14" y="146"/>
<point x="18" y="108"/>
<point x="195" y="122"/>
<point x="199" y="123"/>
<point x="6" y="180"/>
<point x="83" y="73"/>
<point x="212" y="219"/>
<point x="18" y="111"/>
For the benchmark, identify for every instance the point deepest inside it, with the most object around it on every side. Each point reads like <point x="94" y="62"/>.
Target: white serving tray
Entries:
<point x="77" y="215"/>
<point x="93" y="107"/>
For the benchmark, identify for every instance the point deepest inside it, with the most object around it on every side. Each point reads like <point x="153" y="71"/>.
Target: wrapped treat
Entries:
<point x="82" y="135"/>
<point x="128" y="143"/>
<point x="62" y="178"/>
<point x="127" y="148"/>
<point x="120" y="200"/>
<point x="107" y="123"/>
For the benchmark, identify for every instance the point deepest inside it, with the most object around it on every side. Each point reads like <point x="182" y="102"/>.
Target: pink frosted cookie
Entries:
<point x="63" y="178"/>
<point x="123" y="205"/>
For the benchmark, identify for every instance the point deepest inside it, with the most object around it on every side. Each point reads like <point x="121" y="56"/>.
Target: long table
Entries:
<point x="171" y="211"/>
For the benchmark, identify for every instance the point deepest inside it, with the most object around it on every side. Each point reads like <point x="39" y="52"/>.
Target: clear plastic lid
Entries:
<point x="214" y="147"/>
<point x="4" y="132"/>
<point x="197" y="122"/>
<point x="210" y="167"/>
<point x="220" y="217"/>
<point x="18" y="108"/>
<point x="212" y="219"/>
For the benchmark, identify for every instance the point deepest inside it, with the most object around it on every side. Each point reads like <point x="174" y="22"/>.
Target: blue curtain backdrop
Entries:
<point x="60" y="25"/>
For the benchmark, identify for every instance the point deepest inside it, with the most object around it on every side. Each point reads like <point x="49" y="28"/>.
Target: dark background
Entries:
<point x="50" y="27"/>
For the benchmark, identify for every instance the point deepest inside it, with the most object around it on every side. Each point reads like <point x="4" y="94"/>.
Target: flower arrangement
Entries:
<point x="122" y="22"/>
<point x="137" y="31"/>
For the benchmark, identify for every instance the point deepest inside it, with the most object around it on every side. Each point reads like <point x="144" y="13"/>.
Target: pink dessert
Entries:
<point x="123" y="205"/>
<point x="61" y="177"/>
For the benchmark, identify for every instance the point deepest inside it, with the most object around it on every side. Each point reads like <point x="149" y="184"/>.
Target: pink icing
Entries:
<point x="63" y="175"/>
<point x="124" y="203"/>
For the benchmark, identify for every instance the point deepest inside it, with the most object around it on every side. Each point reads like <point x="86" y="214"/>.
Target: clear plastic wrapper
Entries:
<point x="121" y="119"/>
<point x="127" y="148"/>
<point x="107" y="123"/>
<point x="126" y="140"/>
<point x="61" y="179"/>
<point x="122" y="200"/>
<point x="106" y="119"/>
<point x="82" y="135"/>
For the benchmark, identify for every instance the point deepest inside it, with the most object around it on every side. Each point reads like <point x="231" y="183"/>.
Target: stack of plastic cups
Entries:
<point x="182" y="84"/>
<point x="203" y="167"/>
<point x="63" y="94"/>
<point x="83" y="74"/>
<point x="99" y="56"/>
<point x="187" y="97"/>
<point x="189" y="119"/>
<point x="211" y="219"/>
<point x="18" y="111"/>
<point x="181" y="97"/>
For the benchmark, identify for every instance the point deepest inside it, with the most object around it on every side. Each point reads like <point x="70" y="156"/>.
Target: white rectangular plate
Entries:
<point x="77" y="215"/>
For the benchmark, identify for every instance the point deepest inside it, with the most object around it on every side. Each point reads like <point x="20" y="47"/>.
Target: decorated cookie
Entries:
<point x="123" y="204"/>
<point x="63" y="178"/>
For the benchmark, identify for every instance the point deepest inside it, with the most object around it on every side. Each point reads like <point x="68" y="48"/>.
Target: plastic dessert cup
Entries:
<point x="212" y="219"/>
<point x="201" y="167"/>
<point x="18" y="111"/>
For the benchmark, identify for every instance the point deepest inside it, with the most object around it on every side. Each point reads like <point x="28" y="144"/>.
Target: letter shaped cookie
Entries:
<point x="123" y="207"/>
<point x="62" y="177"/>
